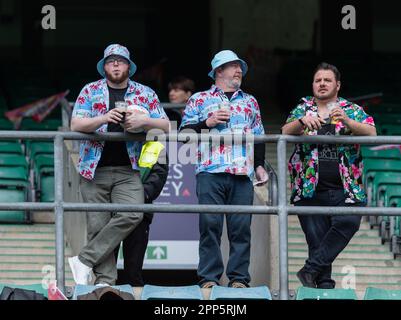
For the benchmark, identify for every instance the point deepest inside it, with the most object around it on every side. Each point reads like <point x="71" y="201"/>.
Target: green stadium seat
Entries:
<point x="385" y="119"/>
<point x="13" y="160"/>
<point x="381" y="154"/>
<point x="372" y="293"/>
<point x="35" y="148"/>
<point x="224" y="293"/>
<point x="389" y="130"/>
<point x="43" y="167"/>
<point x="13" y="173"/>
<point x="304" y="293"/>
<point x="5" y="124"/>
<point x="43" y="164"/>
<point x="380" y="181"/>
<point x="372" y="166"/>
<point x="12" y="194"/>
<point x="47" y="188"/>
<point x="151" y="292"/>
<point x="11" y="147"/>
<point x="47" y="124"/>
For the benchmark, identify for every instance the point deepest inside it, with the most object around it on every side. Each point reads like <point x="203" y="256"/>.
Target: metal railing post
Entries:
<point x="58" y="210"/>
<point x="282" y="217"/>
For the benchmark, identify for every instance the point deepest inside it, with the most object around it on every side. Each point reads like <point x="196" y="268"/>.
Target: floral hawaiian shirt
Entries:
<point x="215" y="157"/>
<point x="94" y="101"/>
<point x="304" y="162"/>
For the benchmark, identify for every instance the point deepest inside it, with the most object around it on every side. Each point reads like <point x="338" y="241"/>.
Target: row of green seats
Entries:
<point x="371" y="293"/>
<point x="14" y="184"/>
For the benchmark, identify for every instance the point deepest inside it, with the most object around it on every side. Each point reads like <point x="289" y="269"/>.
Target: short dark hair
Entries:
<point x="328" y="66"/>
<point x="183" y="83"/>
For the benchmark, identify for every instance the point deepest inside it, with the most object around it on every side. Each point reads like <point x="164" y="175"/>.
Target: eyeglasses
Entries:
<point x="118" y="60"/>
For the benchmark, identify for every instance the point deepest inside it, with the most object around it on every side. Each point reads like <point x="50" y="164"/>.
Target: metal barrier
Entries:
<point x="280" y="207"/>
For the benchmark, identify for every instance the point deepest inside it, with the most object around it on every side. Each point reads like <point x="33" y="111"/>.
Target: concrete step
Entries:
<point x="29" y="274"/>
<point x="27" y="228"/>
<point x="359" y="270"/>
<point x="28" y="235"/>
<point x="349" y="248"/>
<point x="300" y="238"/>
<point x="349" y="254"/>
<point x="34" y="243"/>
<point x="371" y="262"/>
<point x="30" y="267"/>
<point x="29" y="258"/>
<point x="28" y="250"/>
<point x="25" y="281"/>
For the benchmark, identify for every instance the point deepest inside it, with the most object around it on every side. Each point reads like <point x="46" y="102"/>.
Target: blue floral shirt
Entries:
<point x="233" y="158"/>
<point x="94" y="101"/>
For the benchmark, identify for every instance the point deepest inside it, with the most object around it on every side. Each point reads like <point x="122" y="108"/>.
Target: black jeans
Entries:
<point x="327" y="236"/>
<point x="134" y="248"/>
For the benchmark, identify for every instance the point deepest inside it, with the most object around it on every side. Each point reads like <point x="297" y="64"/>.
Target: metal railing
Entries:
<point x="279" y="207"/>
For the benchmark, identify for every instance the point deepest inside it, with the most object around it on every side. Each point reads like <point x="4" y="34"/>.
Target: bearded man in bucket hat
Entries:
<point x="224" y="172"/>
<point x="109" y="170"/>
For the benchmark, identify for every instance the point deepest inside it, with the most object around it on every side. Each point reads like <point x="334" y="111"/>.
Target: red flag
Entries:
<point x="37" y="110"/>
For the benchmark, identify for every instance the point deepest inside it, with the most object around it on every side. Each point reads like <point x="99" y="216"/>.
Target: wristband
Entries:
<point x="301" y="122"/>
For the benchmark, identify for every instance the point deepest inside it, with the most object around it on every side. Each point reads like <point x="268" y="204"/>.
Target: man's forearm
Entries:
<point x="162" y="124"/>
<point x="87" y="124"/>
<point x="294" y="127"/>
<point x="361" y="129"/>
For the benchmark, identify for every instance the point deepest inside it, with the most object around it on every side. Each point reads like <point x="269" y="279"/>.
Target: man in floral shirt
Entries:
<point x="109" y="170"/>
<point x="327" y="174"/>
<point x="225" y="171"/>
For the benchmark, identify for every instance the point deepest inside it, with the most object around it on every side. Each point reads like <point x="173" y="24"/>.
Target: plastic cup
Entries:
<point x="121" y="106"/>
<point x="330" y="107"/>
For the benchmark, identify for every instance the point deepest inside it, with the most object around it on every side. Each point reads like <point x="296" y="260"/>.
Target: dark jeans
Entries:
<point x="224" y="188"/>
<point x="134" y="248"/>
<point x="327" y="236"/>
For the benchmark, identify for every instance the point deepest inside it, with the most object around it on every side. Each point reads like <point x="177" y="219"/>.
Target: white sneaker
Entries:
<point x="80" y="271"/>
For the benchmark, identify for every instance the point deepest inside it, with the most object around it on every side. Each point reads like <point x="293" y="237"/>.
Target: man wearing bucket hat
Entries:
<point x="109" y="170"/>
<point x="225" y="172"/>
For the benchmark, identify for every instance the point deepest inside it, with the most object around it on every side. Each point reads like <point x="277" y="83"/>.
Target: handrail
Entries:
<point x="279" y="206"/>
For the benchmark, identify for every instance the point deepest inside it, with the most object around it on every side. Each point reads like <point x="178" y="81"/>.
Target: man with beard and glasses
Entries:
<point x="225" y="171"/>
<point x="109" y="170"/>
<point x="326" y="174"/>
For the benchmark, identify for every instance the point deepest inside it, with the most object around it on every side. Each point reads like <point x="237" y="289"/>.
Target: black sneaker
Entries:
<point x="307" y="278"/>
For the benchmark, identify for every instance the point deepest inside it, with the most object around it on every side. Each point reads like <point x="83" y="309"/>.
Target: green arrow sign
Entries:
<point x="156" y="252"/>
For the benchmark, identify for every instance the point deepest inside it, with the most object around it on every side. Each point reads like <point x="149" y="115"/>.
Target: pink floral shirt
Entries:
<point x="304" y="162"/>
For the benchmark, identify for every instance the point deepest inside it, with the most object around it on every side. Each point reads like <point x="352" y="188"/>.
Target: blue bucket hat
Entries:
<point x="119" y="50"/>
<point x="223" y="57"/>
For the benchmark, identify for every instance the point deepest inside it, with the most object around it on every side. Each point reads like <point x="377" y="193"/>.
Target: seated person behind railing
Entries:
<point x="180" y="89"/>
<point x="326" y="174"/>
<point x="117" y="178"/>
<point x="224" y="176"/>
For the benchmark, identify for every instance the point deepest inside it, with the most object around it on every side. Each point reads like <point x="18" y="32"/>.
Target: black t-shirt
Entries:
<point x="329" y="173"/>
<point x="115" y="152"/>
<point x="229" y="94"/>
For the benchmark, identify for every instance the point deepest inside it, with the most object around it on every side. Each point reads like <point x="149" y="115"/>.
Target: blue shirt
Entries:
<point x="233" y="158"/>
<point x="93" y="101"/>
